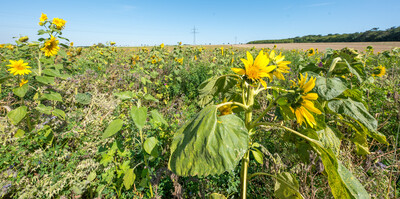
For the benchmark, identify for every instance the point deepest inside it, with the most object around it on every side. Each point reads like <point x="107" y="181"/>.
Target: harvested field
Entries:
<point x="360" y="46"/>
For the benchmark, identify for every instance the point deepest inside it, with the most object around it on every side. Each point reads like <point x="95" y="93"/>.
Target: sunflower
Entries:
<point x="281" y="66"/>
<point x="112" y="43"/>
<point x="23" y="39"/>
<point x="23" y="81"/>
<point x="257" y="69"/>
<point x="51" y="47"/>
<point x="304" y="105"/>
<point x="43" y="17"/>
<point x="226" y="109"/>
<point x="310" y="52"/>
<point x="379" y="71"/>
<point x="59" y="23"/>
<point x="162" y="45"/>
<point x="2" y="45"/>
<point x="18" y="67"/>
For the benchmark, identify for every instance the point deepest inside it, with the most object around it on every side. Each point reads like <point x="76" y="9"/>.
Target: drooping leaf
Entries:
<point x="51" y="72"/>
<point x="354" y="94"/>
<point x="208" y="144"/>
<point x="45" y="79"/>
<point x="59" y="113"/>
<point x="17" y="114"/>
<point x="287" y="187"/>
<point x="214" y="86"/>
<point x="113" y="128"/>
<point x="157" y="117"/>
<point x="149" y="144"/>
<point x="129" y="178"/>
<point x="21" y="91"/>
<point x="329" y="88"/>
<point x="357" y="112"/>
<point x="329" y="140"/>
<point x="139" y="116"/>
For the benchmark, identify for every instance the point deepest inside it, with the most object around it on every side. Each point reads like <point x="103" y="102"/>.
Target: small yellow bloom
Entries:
<point x="51" y="47"/>
<point x="162" y="45"/>
<point x="2" y="45"/>
<point x="10" y="47"/>
<point x="302" y="108"/>
<point x="71" y="44"/>
<point x="23" y="39"/>
<point x="18" y="67"/>
<point x="59" y="23"/>
<point x="43" y="18"/>
<point x="310" y="52"/>
<point x="379" y="71"/>
<point x="281" y="66"/>
<point x="112" y="43"/>
<point x="180" y="43"/>
<point x="195" y="57"/>
<point x="256" y="69"/>
<point x="222" y="51"/>
<point x="180" y="60"/>
<point x="23" y="81"/>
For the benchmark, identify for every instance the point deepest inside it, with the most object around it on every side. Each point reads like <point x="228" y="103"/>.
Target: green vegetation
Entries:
<point x="373" y="35"/>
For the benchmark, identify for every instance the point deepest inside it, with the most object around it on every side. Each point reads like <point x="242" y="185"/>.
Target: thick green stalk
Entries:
<point x="245" y="159"/>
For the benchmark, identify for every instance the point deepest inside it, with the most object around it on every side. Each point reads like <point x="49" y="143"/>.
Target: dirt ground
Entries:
<point x="360" y="46"/>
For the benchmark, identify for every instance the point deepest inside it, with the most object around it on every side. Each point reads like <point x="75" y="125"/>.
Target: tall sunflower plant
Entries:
<point x="35" y="71"/>
<point x="222" y="136"/>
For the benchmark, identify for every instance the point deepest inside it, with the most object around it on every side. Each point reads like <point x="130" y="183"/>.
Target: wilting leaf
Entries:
<point x="287" y="187"/>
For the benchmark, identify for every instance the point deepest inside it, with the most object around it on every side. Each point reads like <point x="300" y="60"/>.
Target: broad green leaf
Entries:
<point x="91" y="176"/>
<point x="157" y="117"/>
<point x="19" y="133"/>
<point x="51" y="72"/>
<point x="149" y="144"/>
<point x="59" y="113"/>
<point x="258" y="156"/>
<point x="329" y="140"/>
<point x="217" y="196"/>
<point x="356" y="69"/>
<point x="150" y="98"/>
<point x="17" y="114"/>
<point x="354" y="94"/>
<point x="214" y="86"/>
<point x="21" y="91"/>
<point x="44" y="109"/>
<point x="352" y="184"/>
<point x="53" y="96"/>
<point x="287" y="187"/>
<point x="129" y="178"/>
<point x="113" y="128"/>
<point x="45" y="79"/>
<point x="329" y="88"/>
<point x="358" y="112"/>
<point x="208" y="144"/>
<point x="83" y="98"/>
<point x="124" y="95"/>
<point x="139" y="116"/>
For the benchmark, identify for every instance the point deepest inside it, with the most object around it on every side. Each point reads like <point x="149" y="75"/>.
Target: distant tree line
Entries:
<point x="390" y="34"/>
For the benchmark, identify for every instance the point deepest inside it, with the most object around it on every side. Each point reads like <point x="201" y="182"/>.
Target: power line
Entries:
<point x="194" y="35"/>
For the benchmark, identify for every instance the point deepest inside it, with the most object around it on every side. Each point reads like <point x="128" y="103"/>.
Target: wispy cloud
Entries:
<point x="318" y="4"/>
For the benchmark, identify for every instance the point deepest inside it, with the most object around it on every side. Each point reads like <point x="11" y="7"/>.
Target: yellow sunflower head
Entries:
<point x="18" y="67"/>
<point x="304" y="104"/>
<point x="379" y="71"/>
<point x="112" y="43"/>
<point x="281" y="65"/>
<point x="23" y="39"/>
<point x="51" y="47"/>
<point x="43" y="18"/>
<point x="311" y="52"/>
<point x="59" y="23"/>
<point x="162" y="45"/>
<point x="255" y="70"/>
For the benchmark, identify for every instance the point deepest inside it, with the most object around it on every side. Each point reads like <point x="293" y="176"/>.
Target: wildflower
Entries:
<point x="180" y="43"/>
<point x="310" y="52"/>
<point x="195" y="57"/>
<point x="23" y="39"/>
<point x="302" y="108"/>
<point x="51" y="47"/>
<point x="112" y="43"/>
<point x="281" y="66"/>
<point x="2" y="45"/>
<point x="42" y="19"/>
<point x="226" y="109"/>
<point x="222" y="51"/>
<point x="255" y="70"/>
<point x="71" y="44"/>
<point x="59" y="23"/>
<point x="10" y="47"/>
<point x="379" y="71"/>
<point x="18" y="67"/>
<point x="23" y="81"/>
<point x="162" y="45"/>
<point x="180" y="60"/>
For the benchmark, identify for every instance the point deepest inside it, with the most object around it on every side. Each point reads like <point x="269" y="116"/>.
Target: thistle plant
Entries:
<point x="212" y="143"/>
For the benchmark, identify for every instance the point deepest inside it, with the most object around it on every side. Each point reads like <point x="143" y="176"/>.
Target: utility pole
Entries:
<point x="194" y="35"/>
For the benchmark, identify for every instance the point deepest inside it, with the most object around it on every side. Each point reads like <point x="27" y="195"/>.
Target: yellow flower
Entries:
<point x="59" y="23"/>
<point x="51" y="47"/>
<point x="195" y="57"/>
<point x="162" y="45"/>
<point x="180" y="43"/>
<point x="112" y="43"/>
<point x="23" y="81"/>
<point x="281" y="66"/>
<point x="379" y="71"/>
<point x="18" y="67"/>
<point x="43" y="17"/>
<point x="222" y="51"/>
<point x="23" y="39"/>
<point x="2" y="45"/>
<point x="302" y="108"/>
<point x="10" y="47"/>
<point x="180" y="60"/>
<point x="311" y="52"/>
<point x="257" y="69"/>
<point x="226" y="109"/>
<point x="71" y="44"/>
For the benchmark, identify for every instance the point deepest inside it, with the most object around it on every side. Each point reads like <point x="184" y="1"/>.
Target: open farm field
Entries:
<point x="198" y="122"/>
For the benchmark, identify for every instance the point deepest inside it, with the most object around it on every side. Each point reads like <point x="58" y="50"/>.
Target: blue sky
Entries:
<point x="152" y="22"/>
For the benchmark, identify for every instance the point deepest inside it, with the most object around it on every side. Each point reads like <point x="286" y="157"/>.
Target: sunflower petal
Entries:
<point x="239" y="71"/>
<point x="310" y="106"/>
<point x="310" y="96"/>
<point x="309" y="85"/>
